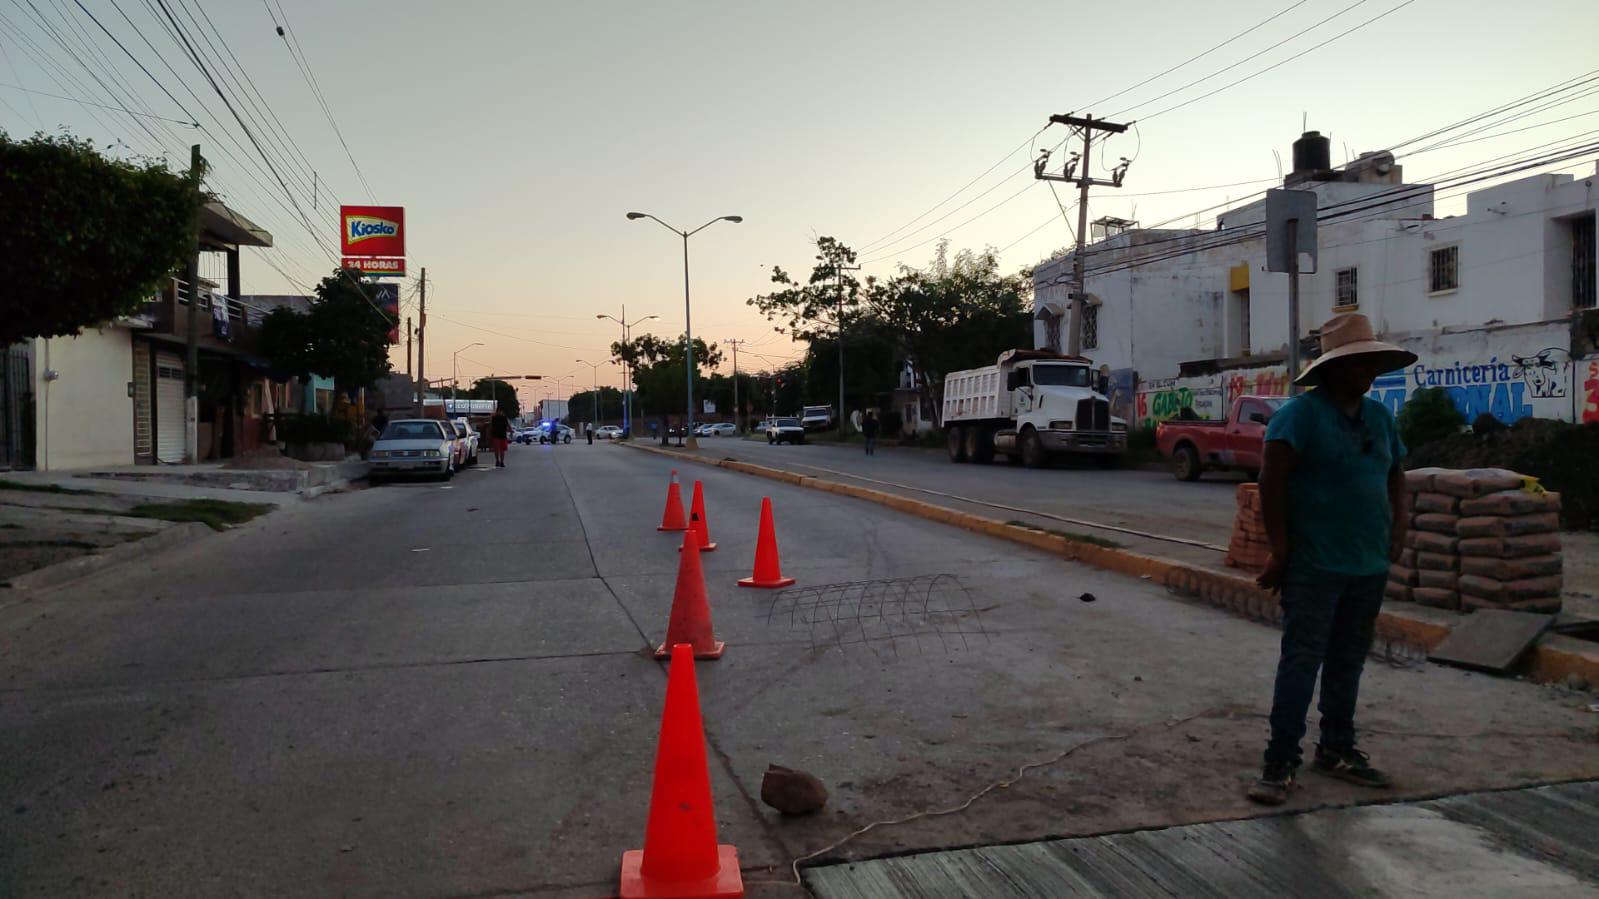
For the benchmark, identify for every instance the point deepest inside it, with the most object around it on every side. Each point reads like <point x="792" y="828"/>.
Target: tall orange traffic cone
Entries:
<point x="681" y="857"/>
<point x="690" y="621"/>
<point x="698" y="526"/>
<point x="672" y="519"/>
<point x="768" y="572"/>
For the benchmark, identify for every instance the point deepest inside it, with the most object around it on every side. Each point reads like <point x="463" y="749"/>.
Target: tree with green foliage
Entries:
<point x="499" y="391"/>
<point x="85" y="238"/>
<point x="959" y="312"/>
<point x="1427" y="416"/>
<point x="658" y="371"/>
<point x="581" y="406"/>
<point x="344" y="335"/>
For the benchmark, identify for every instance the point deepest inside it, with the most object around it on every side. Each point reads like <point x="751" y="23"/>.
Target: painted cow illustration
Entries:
<point x="1546" y="372"/>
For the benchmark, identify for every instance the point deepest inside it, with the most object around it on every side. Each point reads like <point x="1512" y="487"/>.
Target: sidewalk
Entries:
<point x="59" y="526"/>
<point x="1541" y="841"/>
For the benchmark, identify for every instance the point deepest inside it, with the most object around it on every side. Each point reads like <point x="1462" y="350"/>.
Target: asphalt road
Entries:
<point x="444" y="691"/>
<point x="1134" y="507"/>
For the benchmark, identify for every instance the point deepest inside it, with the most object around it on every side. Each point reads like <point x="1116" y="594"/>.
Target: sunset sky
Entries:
<point x="517" y="134"/>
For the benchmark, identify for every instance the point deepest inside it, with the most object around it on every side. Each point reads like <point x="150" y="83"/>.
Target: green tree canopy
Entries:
<point x="344" y="336"/>
<point x="658" y="371"/>
<point x="959" y="312"/>
<point x="500" y="391"/>
<point x="84" y="238"/>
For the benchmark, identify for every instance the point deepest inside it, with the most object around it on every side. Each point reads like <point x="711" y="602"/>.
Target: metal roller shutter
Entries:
<point x="169" y="437"/>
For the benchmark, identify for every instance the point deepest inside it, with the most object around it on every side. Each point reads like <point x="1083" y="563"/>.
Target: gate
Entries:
<point x="16" y="408"/>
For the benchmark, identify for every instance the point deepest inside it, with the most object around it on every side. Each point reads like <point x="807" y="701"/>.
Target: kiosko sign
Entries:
<point x="372" y="230"/>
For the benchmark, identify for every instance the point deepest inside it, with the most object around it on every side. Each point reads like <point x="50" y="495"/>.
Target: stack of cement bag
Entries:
<point x="1483" y="538"/>
<point x="1249" y="548"/>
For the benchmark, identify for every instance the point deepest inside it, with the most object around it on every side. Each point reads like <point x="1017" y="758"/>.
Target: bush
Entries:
<point x="1486" y="425"/>
<point x="1430" y="415"/>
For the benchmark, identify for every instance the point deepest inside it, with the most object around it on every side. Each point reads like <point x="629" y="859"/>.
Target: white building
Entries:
<point x="552" y="410"/>
<point x="1486" y="299"/>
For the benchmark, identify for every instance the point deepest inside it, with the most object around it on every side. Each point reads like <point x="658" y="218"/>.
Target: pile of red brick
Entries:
<point x="1484" y="538"/>
<point x="1249" y="549"/>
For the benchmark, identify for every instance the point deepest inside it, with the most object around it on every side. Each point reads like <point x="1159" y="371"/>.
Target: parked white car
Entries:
<point x="721" y="429"/>
<point x="466" y="453"/>
<point x="607" y="432"/>
<point x="413" y="446"/>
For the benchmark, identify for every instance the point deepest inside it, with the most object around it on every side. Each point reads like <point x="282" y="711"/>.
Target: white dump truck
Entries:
<point x="1030" y="405"/>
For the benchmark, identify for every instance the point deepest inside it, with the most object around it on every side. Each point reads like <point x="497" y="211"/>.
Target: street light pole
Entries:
<point x="596" y="367"/>
<point x="627" y="370"/>
<point x="455" y="372"/>
<point x="688" y="327"/>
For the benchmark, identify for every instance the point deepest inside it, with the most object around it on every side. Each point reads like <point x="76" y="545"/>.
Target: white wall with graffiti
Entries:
<point x="1508" y="372"/>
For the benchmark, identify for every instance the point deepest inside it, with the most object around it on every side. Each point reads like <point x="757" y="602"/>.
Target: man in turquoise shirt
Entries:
<point x="1335" y="510"/>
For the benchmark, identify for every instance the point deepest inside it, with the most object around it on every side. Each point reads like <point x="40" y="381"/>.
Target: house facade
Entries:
<point x="1498" y="303"/>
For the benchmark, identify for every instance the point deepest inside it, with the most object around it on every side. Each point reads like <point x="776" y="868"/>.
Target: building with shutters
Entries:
<point x="1498" y="302"/>
<point x="114" y="395"/>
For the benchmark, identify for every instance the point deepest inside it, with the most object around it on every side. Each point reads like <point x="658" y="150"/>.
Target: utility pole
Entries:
<point x="1085" y="126"/>
<point x="191" y="361"/>
<point x="421" y="340"/>
<point x="409" y="332"/>
<point x="841" y="270"/>
<point x="738" y="418"/>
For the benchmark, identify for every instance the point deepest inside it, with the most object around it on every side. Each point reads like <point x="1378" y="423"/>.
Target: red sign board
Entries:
<point x="376" y="265"/>
<point x="372" y="230"/>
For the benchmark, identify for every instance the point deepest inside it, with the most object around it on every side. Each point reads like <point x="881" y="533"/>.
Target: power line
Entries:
<point x="291" y="41"/>
<point x="83" y="102"/>
<point x="1282" y="62"/>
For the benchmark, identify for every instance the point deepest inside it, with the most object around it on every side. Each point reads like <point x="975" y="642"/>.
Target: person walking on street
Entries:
<point x="499" y="436"/>
<point x="869" y="431"/>
<point x="1335" y="510"/>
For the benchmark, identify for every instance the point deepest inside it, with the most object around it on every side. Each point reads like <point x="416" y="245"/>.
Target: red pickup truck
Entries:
<point x="1236" y="444"/>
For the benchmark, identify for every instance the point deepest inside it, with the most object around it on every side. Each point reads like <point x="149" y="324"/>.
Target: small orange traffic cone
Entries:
<point x="681" y="857"/>
<point x="698" y="525"/>
<point x="672" y="519"/>
<point x="768" y="572"/>
<point x="690" y="621"/>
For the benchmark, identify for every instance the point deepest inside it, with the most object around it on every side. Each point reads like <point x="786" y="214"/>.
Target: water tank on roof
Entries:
<point x="1312" y="153"/>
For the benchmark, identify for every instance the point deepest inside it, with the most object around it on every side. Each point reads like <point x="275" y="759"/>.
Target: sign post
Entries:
<point x="1290" y="232"/>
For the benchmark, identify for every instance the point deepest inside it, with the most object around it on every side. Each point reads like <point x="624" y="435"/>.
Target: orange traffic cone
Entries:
<point x="768" y="573"/>
<point x="690" y="621"/>
<point x="698" y="526"/>
<point x="681" y="857"/>
<point x="672" y="519"/>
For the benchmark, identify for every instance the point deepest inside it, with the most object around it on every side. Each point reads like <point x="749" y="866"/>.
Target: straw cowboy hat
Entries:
<point x="1350" y="334"/>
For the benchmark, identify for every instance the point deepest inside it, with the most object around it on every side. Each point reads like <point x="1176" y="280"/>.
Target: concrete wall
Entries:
<point x="1509" y="372"/>
<point x="85" y="415"/>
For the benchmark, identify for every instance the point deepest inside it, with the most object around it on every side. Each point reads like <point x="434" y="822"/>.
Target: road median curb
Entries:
<point x="1552" y="660"/>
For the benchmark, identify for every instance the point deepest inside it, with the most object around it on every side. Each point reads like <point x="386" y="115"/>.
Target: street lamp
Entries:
<point x="688" y="328"/>
<point x="596" y="367"/>
<point x="627" y="370"/>
<point x="455" y="371"/>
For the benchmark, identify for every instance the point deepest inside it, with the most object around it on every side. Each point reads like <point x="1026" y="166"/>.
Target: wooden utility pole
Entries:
<point x="409" y="331"/>
<point x="841" y="270"/>
<point x="191" y="359"/>
<point x="421" y="340"/>
<point x="738" y="417"/>
<point x="1085" y="126"/>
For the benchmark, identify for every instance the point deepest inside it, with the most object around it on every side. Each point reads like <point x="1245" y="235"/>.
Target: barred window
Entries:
<point x="1348" y="288"/>
<point x="1443" y="272"/>
<point x="1091" y="326"/>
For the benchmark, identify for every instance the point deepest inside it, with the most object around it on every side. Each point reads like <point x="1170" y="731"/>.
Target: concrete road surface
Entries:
<point x="430" y="690"/>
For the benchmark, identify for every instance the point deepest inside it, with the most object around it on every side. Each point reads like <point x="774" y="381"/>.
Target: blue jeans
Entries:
<point x="871" y="446"/>
<point x="1328" y="625"/>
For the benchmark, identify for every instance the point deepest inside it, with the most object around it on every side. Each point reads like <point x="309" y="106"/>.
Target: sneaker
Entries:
<point x="1351" y="765"/>
<point x="1276" y="780"/>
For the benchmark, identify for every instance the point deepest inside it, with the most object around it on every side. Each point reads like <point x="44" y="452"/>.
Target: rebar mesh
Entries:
<point x="887" y="615"/>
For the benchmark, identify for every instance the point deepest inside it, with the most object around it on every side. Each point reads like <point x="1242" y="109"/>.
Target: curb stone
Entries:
<point x="1551" y="660"/>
